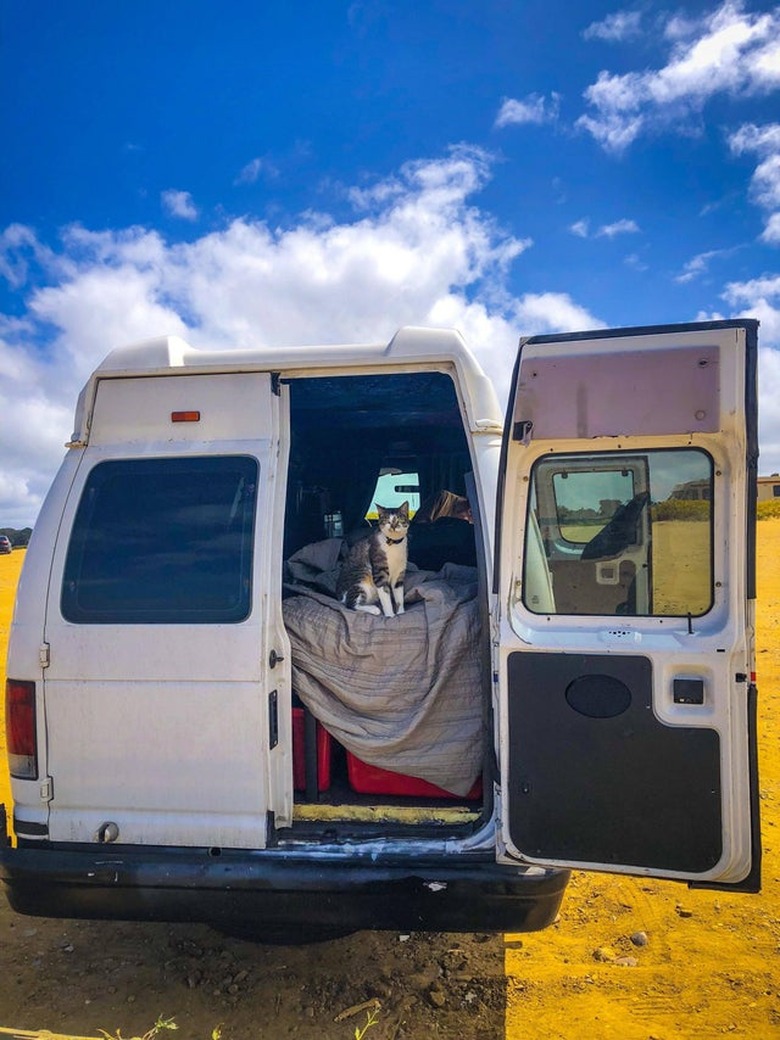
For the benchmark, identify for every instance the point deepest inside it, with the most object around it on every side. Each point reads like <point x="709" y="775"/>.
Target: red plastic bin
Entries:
<point x="367" y="779"/>
<point x="299" y="754"/>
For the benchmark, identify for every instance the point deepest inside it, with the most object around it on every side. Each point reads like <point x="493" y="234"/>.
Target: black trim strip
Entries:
<point x="647" y="330"/>
<point x="29" y="829"/>
<point x="752" y="883"/>
<point x="501" y="483"/>
<point x="751" y="419"/>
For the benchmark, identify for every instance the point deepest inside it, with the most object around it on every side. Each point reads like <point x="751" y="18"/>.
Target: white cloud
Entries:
<point x="553" y="312"/>
<point x="250" y="173"/>
<point x="581" y="228"/>
<point x="620" y="227"/>
<point x="699" y="265"/>
<point x="771" y="233"/>
<point x="417" y="251"/>
<point x="623" y="25"/>
<point x="179" y="204"/>
<point x="760" y="298"/>
<point x="763" y="141"/>
<point x="532" y="109"/>
<point x="755" y="289"/>
<point x="727" y="51"/>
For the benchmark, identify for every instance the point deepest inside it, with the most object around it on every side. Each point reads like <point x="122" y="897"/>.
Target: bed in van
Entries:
<point x="198" y="729"/>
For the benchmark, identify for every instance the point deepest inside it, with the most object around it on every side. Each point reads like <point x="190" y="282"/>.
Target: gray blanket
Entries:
<point x="402" y="693"/>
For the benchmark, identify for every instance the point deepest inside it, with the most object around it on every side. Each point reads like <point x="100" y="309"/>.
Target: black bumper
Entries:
<point x="251" y="891"/>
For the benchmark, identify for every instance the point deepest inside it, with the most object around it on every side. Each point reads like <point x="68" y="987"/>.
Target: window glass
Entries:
<point x="620" y="534"/>
<point x="586" y="501"/>
<point x="392" y="490"/>
<point x="163" y="541"/>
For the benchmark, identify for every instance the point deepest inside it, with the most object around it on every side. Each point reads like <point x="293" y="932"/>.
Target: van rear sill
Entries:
<point x="419" y="815"/>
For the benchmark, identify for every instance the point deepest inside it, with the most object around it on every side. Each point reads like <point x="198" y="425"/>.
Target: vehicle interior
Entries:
<point x="355" y="441"/>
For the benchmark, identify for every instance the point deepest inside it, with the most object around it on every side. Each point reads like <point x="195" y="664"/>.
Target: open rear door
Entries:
<point x="626" y="588"/>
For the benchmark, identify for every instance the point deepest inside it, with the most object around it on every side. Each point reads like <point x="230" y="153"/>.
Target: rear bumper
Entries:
<point x="260" y="890"/>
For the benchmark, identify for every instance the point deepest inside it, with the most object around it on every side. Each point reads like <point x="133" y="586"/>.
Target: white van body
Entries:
<point x="154" y="668"/>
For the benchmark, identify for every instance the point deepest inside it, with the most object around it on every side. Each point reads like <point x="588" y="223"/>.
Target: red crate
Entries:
<point x="299" y="756"/>
<point x="367" y="779"/>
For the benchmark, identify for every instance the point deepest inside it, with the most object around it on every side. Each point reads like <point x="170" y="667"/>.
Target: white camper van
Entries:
<point x="198" y="729"/>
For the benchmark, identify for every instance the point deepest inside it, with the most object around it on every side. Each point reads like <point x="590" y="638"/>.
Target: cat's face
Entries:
<point x="394" y="523"/>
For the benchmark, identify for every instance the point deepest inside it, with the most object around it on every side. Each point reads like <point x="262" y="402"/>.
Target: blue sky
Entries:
<point x="256" y="173"/>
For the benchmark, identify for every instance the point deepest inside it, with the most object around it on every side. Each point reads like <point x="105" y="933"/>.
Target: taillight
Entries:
<point x="20" y="729"/>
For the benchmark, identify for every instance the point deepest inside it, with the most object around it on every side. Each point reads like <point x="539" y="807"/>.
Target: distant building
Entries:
<point x="769" y="487"/>
<point x="693" y="490"/>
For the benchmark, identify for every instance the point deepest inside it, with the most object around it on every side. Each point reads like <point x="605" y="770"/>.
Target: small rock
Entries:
<point x="68" y="947"/>
<point x="627" y="962"/>
<point x="604" y="953"/>
<point x="640" y="939"/>
<point x="131" y="999"/>
<point x="240" y="976"/>
<point x="232" y="989"/>
<point x="436" y="998"/>
<point x="683" y="912"/>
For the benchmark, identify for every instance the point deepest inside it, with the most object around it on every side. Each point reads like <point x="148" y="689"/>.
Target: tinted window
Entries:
<point x="163" y="541"/>
<point x="616" y="534"/>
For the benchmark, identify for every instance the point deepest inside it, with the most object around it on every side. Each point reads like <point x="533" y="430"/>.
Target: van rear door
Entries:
<point x="626" y="590"/>
<point x="162" y="712"/>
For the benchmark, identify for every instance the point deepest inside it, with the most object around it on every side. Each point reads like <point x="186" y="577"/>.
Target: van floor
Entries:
<point x="340" y="802"/>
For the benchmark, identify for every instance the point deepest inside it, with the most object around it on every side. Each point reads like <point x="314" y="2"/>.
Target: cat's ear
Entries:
<point x="403" y="509"/>
<point x="381" y="510"/>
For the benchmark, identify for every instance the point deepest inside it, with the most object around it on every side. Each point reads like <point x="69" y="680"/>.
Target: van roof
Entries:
<point x="410" y="348"/>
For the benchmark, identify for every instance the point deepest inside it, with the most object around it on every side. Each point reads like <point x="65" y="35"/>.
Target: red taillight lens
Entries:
<point x="20" y="729"/>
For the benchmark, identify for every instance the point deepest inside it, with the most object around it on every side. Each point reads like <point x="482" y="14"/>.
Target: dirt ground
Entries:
<point x="629" y="959"/>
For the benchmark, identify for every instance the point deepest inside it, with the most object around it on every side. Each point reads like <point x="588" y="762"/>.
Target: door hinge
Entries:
<point x="47" y="789"/>
<point x="44" y="655"/>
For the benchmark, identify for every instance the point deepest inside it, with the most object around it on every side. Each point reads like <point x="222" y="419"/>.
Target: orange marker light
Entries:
<point x="185" y="416"/>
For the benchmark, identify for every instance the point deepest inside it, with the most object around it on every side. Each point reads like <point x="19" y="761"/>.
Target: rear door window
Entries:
<point x="159" y="541"/>
<point x="621" y="534"/>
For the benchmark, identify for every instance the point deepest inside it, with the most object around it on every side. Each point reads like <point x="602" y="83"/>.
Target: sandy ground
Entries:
<point x="629" y="959"/>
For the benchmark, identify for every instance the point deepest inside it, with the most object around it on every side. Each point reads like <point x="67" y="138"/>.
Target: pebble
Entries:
<point x="627" y="962"/>
<point x="640" y="939"/>
<point x="436" y="998"/>
<point x="683" y="912"/>
<point x="604" y="953"/>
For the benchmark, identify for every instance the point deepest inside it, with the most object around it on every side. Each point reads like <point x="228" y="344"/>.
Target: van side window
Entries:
<point x="621" y="533"/>
<point x="163" y="541"/>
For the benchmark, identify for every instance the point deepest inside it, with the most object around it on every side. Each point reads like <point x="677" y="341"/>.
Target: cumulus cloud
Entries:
<point x="532" y="109"/>
<point x="417" y="250"/>
<point x="760" y="298"/>
<point x="727" y="51"/>
<point x="623" y="25"/>
<point x="179" y="204"/>
<point x="764" y="142"/>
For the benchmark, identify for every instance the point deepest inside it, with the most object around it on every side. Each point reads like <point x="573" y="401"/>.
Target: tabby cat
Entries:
<point x="375" y="567"/>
